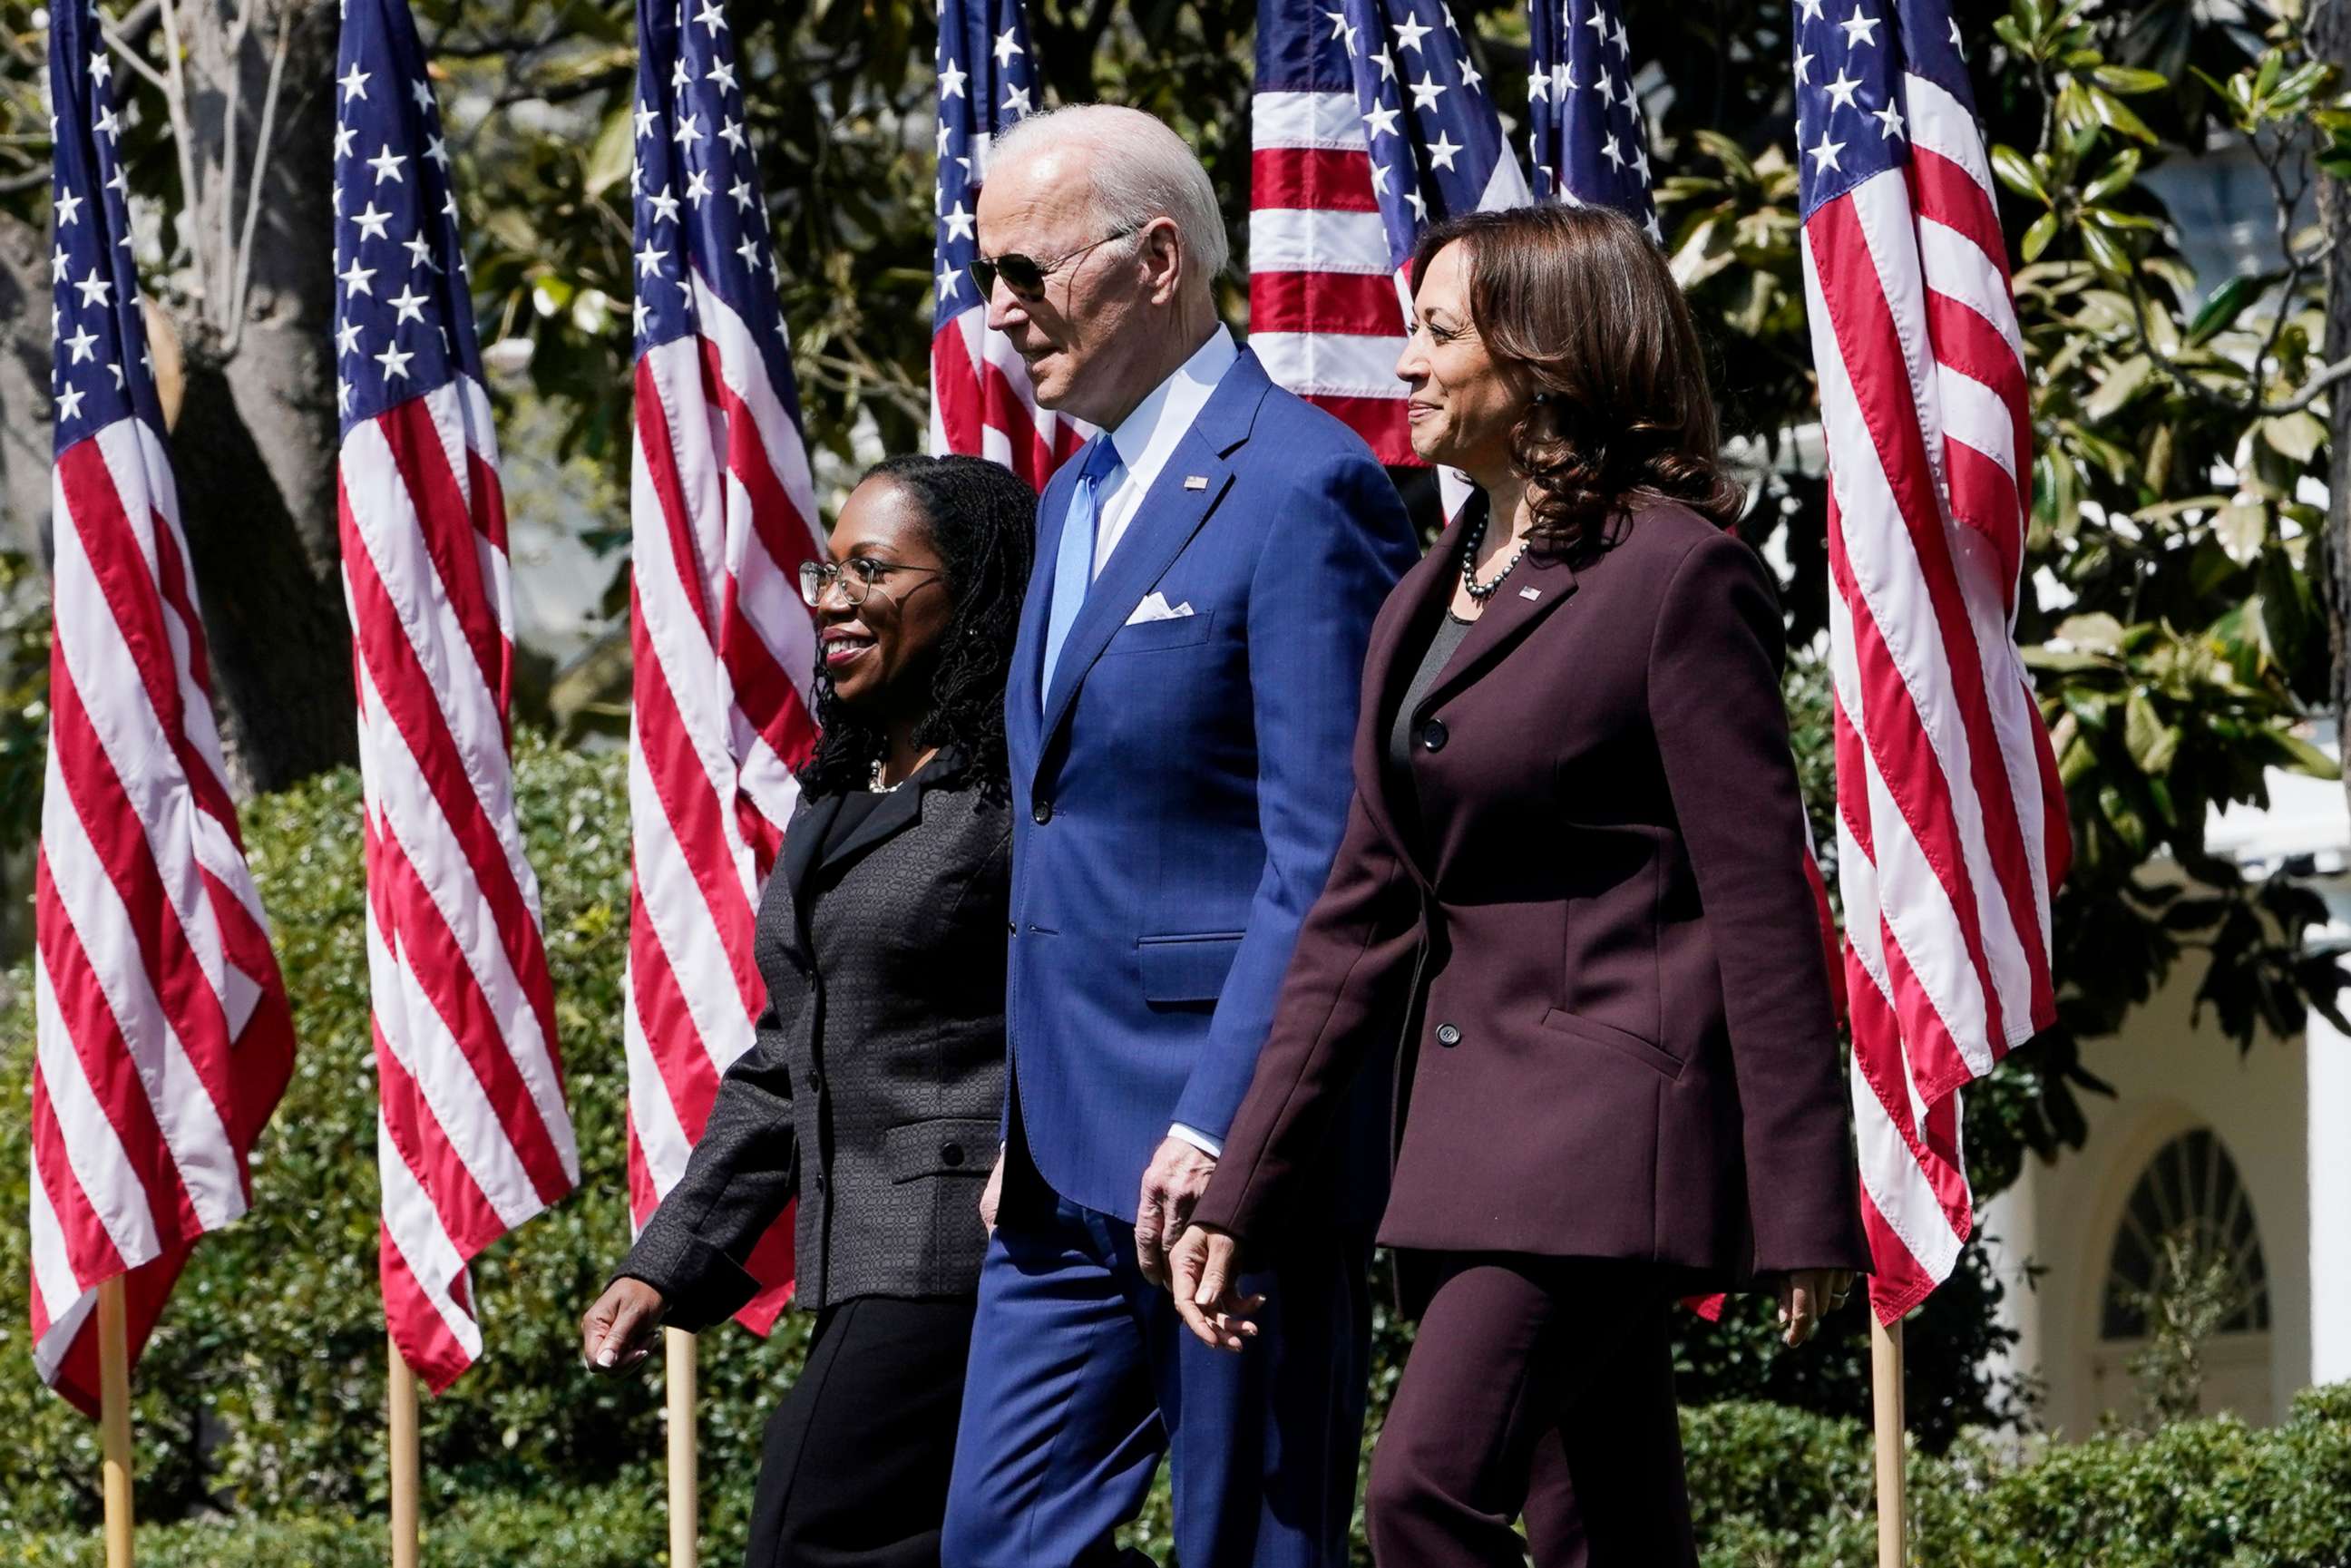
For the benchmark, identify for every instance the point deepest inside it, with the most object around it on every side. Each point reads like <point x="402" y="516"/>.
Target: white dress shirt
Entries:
<point x="1145" y="440"/>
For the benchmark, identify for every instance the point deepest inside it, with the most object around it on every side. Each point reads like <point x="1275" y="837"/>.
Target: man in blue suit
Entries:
<point x="1181" y="716"/>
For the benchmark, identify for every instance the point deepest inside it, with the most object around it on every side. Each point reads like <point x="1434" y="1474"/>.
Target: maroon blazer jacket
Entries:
<point x="1593" y="928"/>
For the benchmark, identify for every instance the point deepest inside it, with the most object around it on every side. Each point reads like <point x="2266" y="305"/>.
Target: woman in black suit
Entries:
<point x="874" y="1090"/>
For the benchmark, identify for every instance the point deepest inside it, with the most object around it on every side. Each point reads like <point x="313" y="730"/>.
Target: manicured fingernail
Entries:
<point x="605" y="1357"/>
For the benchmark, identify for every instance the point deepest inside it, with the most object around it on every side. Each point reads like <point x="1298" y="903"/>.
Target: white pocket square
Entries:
<point x="1154" y="607"/>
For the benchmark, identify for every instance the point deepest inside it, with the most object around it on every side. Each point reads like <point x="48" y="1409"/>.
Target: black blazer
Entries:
<point x="1597" y="935"/>
<point x="873" y="1091"/>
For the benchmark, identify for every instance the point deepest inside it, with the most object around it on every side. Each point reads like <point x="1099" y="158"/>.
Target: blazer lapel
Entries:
<point x="892" y="814"/>
<point x="1022" y="697"/>
<point x="801" y="844"/>
<point x="1414" y="605"/>
<point x="1162" y="524"/>
<point x="1540" y="584"/>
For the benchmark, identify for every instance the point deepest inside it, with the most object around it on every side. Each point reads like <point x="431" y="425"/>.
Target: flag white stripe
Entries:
<point x="1307" y="121"/>
<point x="112" y="1190"/>
<point x="431" y="1258"/>
<point x="1332" y="364"/>
<point x="182" y="1108"/>
<point x="1305" y="239"/>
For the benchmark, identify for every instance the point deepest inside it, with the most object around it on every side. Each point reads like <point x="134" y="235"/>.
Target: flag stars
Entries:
<point x="421" y="94"/>
<point x="1841" y="90"/>
<point x="68" y="208"/>
<point x="1808" y="10"/>
<point x="1006" y="46"/>
<point x="961" y="223"/>
<point x="57" y="266"/>
<point x="342" y="141"/>
<point x="394" y="362"/>
<point x="649" y="259"/>
<point x="749" y="251"/>
<point x="1824" y="156"/>
<point x="741" y="192"/>
<point x="437" y="153"/>
<point x="70" y="403"/>
<point x="100" y="67"/>
<point x="1426" y="91"/>
<point x="420" y="252"/>
<point x="663" y="207"/>
<point x="697" y="187"/>
<point x="386" y="165"/>
<point x="373" y="224"/>
<point x="1611" y="152"/>
<point x="1016" y="102"/>
<point x="646" y="119"/>
<point x="950" y="281"/>
<point x="952" y="79"/>
<point x="1419" y="205"/>
<point x="95" y="290"/>
<point x="1382" y="120"/>
<point x="723" y="73"/>
<point x="689" y="131"/>
<point x="711" y="17"/>
<point x="107" y="125"/>
<point x="355" y="278"/>
<point x="1410" y="32"/>
<point x="1442" y="151"/>
<point x="1385" y="60"/>
<point x="1859" y="29"/>
<point x="730" y="132"/>
<point x="347" y="338"/>
<point x="1889" y="123"/>
<point x="353" y="83"/>
<point x="83" y="344"/>
<point x="409" y="304"/>
<point x="1470" y="75"/>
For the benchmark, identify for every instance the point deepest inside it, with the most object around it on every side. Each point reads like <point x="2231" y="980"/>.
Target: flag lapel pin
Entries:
<point x="1196" y="482"/>
<point x="1529" y="593"/>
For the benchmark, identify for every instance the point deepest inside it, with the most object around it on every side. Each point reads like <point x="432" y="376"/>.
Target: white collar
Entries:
<point x="1146" y="438"/>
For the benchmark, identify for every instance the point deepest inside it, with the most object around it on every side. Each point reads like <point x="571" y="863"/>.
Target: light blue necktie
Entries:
<point x="1073" y="567"/>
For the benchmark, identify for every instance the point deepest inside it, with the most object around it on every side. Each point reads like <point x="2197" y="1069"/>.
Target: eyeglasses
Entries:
<point x="1025" y="276"/>
<point x="858" y="577"/>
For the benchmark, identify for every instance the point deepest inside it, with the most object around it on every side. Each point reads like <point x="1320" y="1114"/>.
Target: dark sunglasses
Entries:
<point x="1025" y="275"/>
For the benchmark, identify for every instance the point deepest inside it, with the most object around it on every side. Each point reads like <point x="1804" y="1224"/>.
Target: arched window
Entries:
<point x="2191" y="1183"/>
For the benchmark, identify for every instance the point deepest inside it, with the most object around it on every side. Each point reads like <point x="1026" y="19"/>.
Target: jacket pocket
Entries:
<point x="1174" y="632"/>
<point x="1622" y="1041"/>
<point x="943" y="1146"/>
<point x="1185" y="968"/>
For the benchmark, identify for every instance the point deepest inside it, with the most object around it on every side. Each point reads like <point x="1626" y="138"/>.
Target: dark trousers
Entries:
<point x="1083" y="1376"/>
<point x="1532" y="1376"/>
<point x="854" y="1471"/>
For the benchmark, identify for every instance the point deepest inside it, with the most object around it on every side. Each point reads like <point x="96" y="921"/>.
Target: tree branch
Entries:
<point x="184" y="136"/>
<point x="241" y="279"/>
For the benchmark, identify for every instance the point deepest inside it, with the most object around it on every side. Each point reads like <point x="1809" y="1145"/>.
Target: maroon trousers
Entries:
<point x="1542" y="1385"/>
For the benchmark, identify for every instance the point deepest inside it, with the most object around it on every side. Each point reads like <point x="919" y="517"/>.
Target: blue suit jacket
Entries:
<point x="1179" y="797"/>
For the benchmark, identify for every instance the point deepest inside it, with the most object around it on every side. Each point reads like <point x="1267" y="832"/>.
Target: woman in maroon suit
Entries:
<point x="1572" y="878"/>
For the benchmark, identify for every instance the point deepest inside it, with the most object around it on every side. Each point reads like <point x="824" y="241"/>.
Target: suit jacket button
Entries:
<point x="1432" y="736"/>
<point x="951" y="1155"/>
<point x="1041" y="812"/>
<point x="816" y="1082"/>
<point x="1447" y="1035"/>
<point x="820" y="1181"/>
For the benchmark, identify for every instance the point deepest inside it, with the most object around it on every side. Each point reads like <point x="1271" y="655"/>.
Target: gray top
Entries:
<point x="1406" y="729"/>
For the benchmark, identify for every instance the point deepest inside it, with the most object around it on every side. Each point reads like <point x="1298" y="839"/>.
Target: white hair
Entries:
<point x="1140" y="170"/>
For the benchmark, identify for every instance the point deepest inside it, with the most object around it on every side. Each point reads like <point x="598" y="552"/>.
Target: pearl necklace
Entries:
<point x="1479" y="592"/>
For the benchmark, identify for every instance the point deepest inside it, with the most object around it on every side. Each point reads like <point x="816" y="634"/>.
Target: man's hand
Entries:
<point x="1202" y="1268"/>
<point x="993" y="1192"/>
<point x="617" y="1332"/>
<point x="1808" y="1295"/>
<point x="1178" y="1174"/>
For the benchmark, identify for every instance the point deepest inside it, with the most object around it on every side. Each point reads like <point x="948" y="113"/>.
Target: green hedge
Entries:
<point x="1774" y="1488"/>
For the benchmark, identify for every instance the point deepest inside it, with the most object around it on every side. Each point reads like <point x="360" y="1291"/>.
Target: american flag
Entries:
<point x="723" y="512"/>
<point x="980" y="401"/>
<point x="1370" y="122"/>
<point x="160" y="1029"/>
<point x="1951" y="823"/>
<point x="1586" y="140"/>
<point x="473" y="1138"/>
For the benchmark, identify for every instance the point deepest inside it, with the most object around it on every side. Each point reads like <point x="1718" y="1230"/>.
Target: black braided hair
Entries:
<point x="982" y="522"/>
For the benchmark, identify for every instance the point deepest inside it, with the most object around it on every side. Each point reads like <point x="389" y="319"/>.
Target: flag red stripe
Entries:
<point x="1353" y="304"/>
<point x="1319" y="179"/>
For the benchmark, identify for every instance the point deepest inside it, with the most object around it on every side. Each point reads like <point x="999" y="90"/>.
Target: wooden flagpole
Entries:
<point x="407" y="1460"/>
<point x="684" y="1464"/>
<point x="114" y="1417"/>
<point x="1886" y="1406"/>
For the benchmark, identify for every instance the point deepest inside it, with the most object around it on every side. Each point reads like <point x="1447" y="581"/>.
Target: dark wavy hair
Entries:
<point x="1580" y="302"/>
<point x="982" y="521"/>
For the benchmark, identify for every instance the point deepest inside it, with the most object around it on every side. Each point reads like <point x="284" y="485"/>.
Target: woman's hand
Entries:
<point x="1202" y="1270"/>
<point x="1808" y="1295"/>
<point x="617" y="1332"/>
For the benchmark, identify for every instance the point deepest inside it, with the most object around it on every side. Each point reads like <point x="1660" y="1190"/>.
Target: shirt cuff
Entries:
<point x="1199" y="1140"/>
